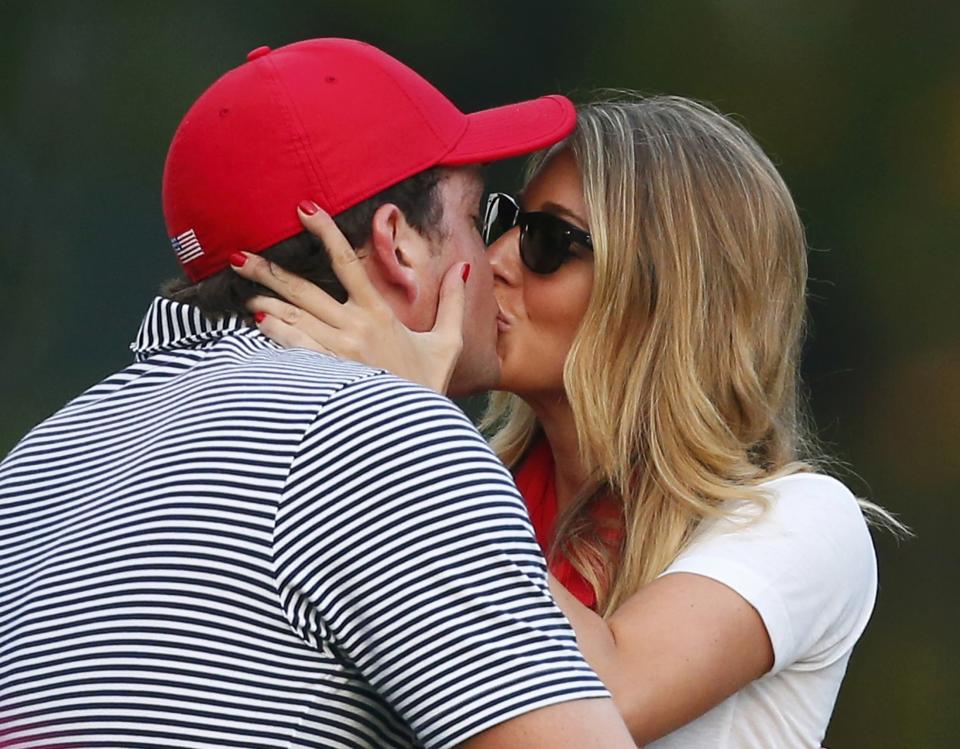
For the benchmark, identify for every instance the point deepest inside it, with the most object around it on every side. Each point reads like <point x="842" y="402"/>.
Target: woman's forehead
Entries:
<point x="558" y="183"/>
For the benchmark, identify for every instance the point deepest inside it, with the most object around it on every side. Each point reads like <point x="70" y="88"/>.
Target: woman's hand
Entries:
<point x="364" y="328"/>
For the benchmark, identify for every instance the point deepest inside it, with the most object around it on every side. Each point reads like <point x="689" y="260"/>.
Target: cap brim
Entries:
<point x="513" y="130"/>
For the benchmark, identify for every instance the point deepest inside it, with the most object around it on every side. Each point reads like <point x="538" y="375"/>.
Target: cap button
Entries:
<point x="257" y="53"/>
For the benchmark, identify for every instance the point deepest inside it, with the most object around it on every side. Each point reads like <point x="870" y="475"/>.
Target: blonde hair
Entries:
<point x="697" y="316"/>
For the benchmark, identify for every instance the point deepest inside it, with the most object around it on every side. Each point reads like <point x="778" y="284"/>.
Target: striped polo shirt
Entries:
<point x="228" y="544"/>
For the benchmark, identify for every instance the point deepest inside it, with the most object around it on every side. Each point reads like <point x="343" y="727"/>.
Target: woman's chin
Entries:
<point x="511" y="380"/>
<point x="503" y="354"/>
<point x="506" y="376"/>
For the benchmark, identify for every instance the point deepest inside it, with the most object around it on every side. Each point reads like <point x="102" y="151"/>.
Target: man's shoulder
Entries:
<point x="230" y="373"/>
<point x="336" y="388"/>
<point x="302" y="365"/>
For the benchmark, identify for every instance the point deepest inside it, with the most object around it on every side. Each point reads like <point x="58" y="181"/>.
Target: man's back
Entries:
<point x="227" y="544"/>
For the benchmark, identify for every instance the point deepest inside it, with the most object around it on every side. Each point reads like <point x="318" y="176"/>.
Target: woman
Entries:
<point x="651" y="288"/>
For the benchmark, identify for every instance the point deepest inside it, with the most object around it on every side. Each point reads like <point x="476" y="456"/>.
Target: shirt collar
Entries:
<point x="172" y="325"/>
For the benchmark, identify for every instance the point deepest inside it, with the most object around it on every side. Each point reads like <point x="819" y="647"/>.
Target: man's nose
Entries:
<point x="504" y="257"/>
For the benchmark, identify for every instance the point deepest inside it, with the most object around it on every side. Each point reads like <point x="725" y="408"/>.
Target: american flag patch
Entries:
<point x="186" y="246"/>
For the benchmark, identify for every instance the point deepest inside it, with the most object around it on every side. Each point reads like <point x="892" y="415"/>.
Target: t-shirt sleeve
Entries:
<point x="807" y="566"/>
<point x="402" y="534"/>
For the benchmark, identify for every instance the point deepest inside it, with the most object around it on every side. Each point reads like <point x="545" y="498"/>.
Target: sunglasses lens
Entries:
<point x="545" y="239"/>
<point x="543" y="243"/>
<point x="499" y="218"/>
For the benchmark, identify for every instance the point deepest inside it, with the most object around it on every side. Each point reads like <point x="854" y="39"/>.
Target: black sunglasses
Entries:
<point x="545" y="239"/>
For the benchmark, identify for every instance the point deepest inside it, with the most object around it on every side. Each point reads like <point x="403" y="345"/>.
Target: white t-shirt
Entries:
<point x="808" y="567"/>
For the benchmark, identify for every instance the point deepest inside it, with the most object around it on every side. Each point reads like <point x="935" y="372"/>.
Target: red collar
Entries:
<point x="536" y="481"/>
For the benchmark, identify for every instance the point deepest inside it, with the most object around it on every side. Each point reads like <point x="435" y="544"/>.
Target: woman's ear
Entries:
<point x="398" y="251"/>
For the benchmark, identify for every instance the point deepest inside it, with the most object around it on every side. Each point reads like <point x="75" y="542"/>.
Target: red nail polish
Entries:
<point x="237" y="259"/>
<point x="259" y="317"/>
<point x="309" y="207"/>
<point x="466" y="272"/>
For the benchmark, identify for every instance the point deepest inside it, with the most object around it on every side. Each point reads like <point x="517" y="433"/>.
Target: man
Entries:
<point x="229" y="544"/>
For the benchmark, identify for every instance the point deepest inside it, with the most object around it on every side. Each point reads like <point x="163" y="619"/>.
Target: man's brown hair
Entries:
<point x="227" y="293"/>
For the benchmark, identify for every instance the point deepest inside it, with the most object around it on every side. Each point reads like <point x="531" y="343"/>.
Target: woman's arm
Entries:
<point x="673" y="650"/>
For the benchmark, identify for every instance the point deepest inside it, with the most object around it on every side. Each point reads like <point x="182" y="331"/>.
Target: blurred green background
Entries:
<point x="858" y="102"/>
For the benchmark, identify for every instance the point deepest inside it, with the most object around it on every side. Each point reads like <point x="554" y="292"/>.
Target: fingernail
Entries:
<point x="237" y="259"/>
<point x="259" y="317"/>
<point x="466" y="272"/>
<point x="309" y="207"/>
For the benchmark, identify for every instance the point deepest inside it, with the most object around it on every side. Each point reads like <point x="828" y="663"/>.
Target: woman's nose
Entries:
<point x="504" y="257"/>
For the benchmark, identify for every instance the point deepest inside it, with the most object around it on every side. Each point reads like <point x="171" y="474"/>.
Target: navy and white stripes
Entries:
<point x="232" y="545"/>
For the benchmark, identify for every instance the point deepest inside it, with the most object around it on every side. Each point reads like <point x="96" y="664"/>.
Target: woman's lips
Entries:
<point x="503" y="322"/>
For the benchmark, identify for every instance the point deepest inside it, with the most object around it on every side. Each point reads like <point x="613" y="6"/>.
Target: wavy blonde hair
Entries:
<point x="696" y="316"/>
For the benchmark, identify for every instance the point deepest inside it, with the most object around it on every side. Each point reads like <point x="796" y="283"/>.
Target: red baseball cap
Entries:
<point x="330" y="120"/>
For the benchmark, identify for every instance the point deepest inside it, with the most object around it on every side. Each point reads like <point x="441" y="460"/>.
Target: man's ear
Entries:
<point x="398" y="250"/>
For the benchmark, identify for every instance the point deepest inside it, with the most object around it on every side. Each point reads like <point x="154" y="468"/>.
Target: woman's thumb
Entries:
<point x="453" y="301"/>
